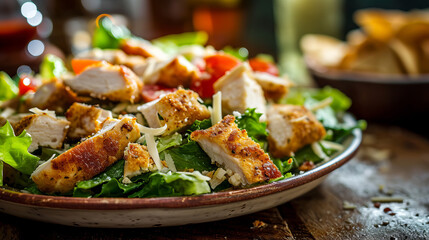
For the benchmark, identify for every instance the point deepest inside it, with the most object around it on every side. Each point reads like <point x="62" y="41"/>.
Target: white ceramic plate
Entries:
<point x="170" y="211"/>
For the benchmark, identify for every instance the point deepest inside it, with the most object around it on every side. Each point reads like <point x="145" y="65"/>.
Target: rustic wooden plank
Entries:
<point x="298" y="229"/>
<point x="236" y="228"/>
<point x="392" y="162"/>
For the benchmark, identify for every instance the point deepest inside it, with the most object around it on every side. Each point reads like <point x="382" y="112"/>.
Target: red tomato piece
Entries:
<point x="79" y="65"/>
<point x="204" y="85"/>
<point x="26" y="84"/>
<point x="216" y="66"/>
<point x="260" y="65"/>
<point x="152" y="92"/>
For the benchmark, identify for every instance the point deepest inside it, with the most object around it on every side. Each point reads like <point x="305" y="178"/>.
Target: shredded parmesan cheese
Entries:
<point x="332" y="145"/>
<point x="7" y="113"/>
<point x="149" y="134"/>
<point x="324" y="103"/>
<point x="170" y="162"/>
<point x="152" y="131"/>
<point x="318" y="151"/>
<point x="216" y="115"/>
<point x="150" y="69"/>
<point x="217" y="178"/>
<point x="302" y="118"/>
<point x="39" y="111"/>
<point x="197" y="175"/>
<point x="153" y="151"/>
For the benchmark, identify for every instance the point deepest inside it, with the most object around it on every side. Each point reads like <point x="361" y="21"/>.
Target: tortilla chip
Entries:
<point x="372" y="56"/>
<point x="412" y="46"/>
<point x="323" y="50"/>
<point x="380" y="24"/>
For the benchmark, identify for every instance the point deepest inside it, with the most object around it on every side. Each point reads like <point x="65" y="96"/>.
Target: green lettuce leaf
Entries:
<point x="115" y="188"/>
<point x="285" y="165"/>
<point x="169" y="141"/>
<point x="8" y="87"/>
<point x="172" y="184"/>
<point x="255" y="129"/>
<point x="199" y="125"/>
<point x="52" y="67"/>
<point x="108" y="35"/>
<point x="306" y="154"/>
<point x="114" y="171"/>
<point x="172" y="43"/>
<point x="250" y="121"/>
<point x="14" y="150"/>
<point x="240" y="53"/>
<point x="190" y="156"/>
<point x="340" y="102"/>
<point x="340" y="131"/>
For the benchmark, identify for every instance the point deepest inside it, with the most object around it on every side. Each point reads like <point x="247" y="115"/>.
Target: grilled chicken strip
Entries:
<point x="106" y="81"/>
<point x="290" y="128"/>
<point x="171" y="73"/>
<point x="178" y="110"/>
<point x="87" y="159"/>
<point x="274" y="87"/>
<point x="85" y="120"/>
<point x="54" y="96"/>
<point x="45" y="130"/>
<point x="240" y="91"/>
<point x="233" y="149"/>
<point x="137" y="161"/>
<point x="112" y="56"/>
<point x="142" y="48"/>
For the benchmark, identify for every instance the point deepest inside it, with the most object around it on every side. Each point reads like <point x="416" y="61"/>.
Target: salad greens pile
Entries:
<point x="8" y="87"/>
<point x="14" y="151"/>
<point x="187" y="154"/>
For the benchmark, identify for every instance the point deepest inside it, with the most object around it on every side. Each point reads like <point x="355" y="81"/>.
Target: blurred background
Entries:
<point x="31" y="29"/>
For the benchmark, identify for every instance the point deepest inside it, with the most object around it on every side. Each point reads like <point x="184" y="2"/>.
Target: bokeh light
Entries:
<point x="28" y="10"/>
<point x="23" y="69"/>
<point x="36" y="20"/>
<point x="35" y="48"/>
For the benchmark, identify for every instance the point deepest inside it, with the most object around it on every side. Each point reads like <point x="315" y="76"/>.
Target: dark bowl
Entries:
<point x="380" y="98"/>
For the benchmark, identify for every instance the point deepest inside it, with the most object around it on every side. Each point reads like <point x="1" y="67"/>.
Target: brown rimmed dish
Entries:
<point x="386" y="98"/>
<point x="170" y="211"/>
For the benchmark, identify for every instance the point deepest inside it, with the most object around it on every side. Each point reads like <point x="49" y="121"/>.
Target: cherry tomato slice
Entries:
<point x="260" y="65"/>
<point x="152" y="92"/>
<point x="204" y="85"/>
<point x="79" y="65"/>
<point x="216" y="66"/>
<point x="26" y="84"/>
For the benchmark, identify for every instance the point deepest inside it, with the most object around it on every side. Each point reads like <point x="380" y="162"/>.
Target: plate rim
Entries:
<point x="61" y="202"/>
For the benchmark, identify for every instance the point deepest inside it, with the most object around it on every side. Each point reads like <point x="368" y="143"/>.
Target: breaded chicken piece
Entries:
<point x="233" y="149"/>
<point x="290" y="128"/>
<point x="142" y="48"/>
<point x="171" y="73"/>
<point x="54" y="96"/>
<point x="274" y="87"/>
<point x="112" y="56"/>
<point x="85" y="120"/>
<point x="137" y="161"/>
<point x="87" y="159"/>
<point x="45" y="130"/>
<point x="106" y="81"/>
<point x="240" y="91"/>
<point x="178" y="110"/>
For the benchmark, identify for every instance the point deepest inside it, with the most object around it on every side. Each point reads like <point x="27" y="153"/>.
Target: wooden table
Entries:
<point x="392" y="162"/>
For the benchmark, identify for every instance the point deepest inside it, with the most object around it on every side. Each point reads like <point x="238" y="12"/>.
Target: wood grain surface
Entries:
<point x="392" y="162"/>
